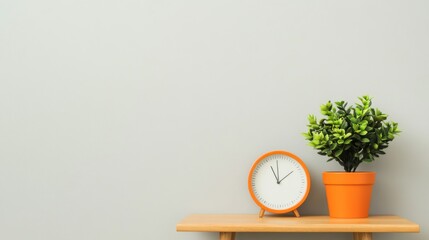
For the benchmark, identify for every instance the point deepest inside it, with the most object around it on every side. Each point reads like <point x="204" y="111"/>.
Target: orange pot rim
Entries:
<point x="349" y="178"/>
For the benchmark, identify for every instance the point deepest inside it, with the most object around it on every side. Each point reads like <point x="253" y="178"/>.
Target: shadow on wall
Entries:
<point x="316" y="201"/>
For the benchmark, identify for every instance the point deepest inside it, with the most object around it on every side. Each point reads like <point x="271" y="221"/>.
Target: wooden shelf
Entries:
<point x="229" y="224"/>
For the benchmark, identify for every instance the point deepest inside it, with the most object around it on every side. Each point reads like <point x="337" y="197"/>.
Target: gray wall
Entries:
<point x="119" y="118"/>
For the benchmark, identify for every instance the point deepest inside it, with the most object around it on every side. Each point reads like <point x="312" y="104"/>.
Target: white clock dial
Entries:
<point x="279" y="182"/>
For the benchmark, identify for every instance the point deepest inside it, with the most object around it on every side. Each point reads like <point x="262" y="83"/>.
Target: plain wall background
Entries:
<point x="119" y="118"/>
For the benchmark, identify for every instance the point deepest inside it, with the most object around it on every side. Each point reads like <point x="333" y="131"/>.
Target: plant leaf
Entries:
<point x="338" y="152"/>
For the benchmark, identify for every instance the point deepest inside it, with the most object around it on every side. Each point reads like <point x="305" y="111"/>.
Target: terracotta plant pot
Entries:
<point x="348" y="193"/>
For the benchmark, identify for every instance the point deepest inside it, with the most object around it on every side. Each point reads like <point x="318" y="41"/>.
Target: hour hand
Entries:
<point x="285" y="177"/>
<point x="277" y="178"/>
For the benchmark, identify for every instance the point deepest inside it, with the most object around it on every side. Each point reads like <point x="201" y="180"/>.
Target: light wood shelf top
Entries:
<point x="278" y="223"/>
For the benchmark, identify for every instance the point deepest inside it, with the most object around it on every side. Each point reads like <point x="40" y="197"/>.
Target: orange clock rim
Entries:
<point x="252" y="194"/>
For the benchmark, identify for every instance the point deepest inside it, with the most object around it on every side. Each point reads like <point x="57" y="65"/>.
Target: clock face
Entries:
<point x="279" y="182"/>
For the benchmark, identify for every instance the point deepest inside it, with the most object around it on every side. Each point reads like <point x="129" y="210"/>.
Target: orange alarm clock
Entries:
<point x="279" y="182"/>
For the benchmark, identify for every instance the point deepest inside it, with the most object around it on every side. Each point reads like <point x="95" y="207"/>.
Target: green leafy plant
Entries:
<point x="350" y="135"/>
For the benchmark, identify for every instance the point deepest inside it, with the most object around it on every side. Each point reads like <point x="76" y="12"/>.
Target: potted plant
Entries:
<point x="350" y="135"/>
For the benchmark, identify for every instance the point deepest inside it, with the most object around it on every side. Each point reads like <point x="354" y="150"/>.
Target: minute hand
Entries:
<point x="285" y="177"/>
<point x="277" y="178"/>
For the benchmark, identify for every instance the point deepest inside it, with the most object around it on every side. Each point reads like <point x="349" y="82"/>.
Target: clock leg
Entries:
<point x="362" y="236"/>
<point x="296" y="213"/>
<point x="261" y="213"/>
<point x="227" y="235"/>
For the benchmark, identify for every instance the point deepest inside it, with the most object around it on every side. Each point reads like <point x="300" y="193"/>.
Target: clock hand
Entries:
<point x="277" y="179"/>
<point x="285" y="177"/>
<point x="278" y="175"/>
